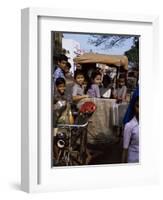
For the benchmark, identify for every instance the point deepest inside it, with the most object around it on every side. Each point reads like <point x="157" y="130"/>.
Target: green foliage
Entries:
<point x="133" y="53"/>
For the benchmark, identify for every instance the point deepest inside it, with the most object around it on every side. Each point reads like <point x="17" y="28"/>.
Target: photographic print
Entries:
<point x="95" y="98"/>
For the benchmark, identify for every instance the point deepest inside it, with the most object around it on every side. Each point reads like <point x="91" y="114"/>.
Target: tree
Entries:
<point x="133" y="53"/>
<point x="108" y="41"/>
<point x="57" y="42"/>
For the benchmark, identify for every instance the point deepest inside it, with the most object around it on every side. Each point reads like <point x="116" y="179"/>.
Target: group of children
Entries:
<point x="82" y="87"/>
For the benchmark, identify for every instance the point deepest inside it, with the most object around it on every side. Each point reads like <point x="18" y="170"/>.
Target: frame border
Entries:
<point x="30" y="79"/>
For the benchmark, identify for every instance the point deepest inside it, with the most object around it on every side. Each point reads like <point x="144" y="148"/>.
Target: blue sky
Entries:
<point x="83" y="40"/>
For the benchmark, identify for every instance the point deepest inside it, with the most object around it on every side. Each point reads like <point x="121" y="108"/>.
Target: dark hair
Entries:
<point x="68" y="65"/>
<point x="77" y="73"/>
<point x="62" y="57"/>
<point x="106" y="80"/>
<point x="136" y="100"/>
<point x="93" y="76"/>
<point x="59" y="81"/>
<point x="55" y="57"/>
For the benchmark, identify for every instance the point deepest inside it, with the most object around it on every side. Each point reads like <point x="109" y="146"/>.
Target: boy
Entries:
<point x="78" y="88"/>
<point x="60" y="70"/>
<point x="60" y="88"/>
<point x="121" y="91"/>
<point x="60" y="99"/>
<point x="59" y="106"/>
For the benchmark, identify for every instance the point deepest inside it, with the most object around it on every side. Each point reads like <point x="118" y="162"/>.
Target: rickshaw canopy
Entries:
<point x="116" y="60"/>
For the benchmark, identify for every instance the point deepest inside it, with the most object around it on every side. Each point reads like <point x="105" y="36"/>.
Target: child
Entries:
<point x="67" y="70"/>
<point x="61" y="97"/>
<point x="105" y="90"/>
<point x="60" y="90"/>
<point x="78" y="88"/>
<point x="121" y="91"/>
<point x="60" y="69"/>
<point x="93" y="86"/>
<point x="131" y="138"/>
<point x="68" y="77"/>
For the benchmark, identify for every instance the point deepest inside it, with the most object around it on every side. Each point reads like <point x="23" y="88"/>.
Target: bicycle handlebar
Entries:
<point x="72" y="125"/>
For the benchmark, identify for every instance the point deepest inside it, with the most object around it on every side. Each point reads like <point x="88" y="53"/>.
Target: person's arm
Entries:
<point x="126" y="142"/>
<point x="56" y="98"/>
<point x="124" y="155"/>
<point x="123" y="97"/>
<point x="114" y="93"/>
<point x="97" y="91"/>
<point x="75" y="96"/>
<point x="78" y="98"/>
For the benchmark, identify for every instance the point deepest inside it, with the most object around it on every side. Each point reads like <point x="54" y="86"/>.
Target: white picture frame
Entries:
<point x="36" y="174"/>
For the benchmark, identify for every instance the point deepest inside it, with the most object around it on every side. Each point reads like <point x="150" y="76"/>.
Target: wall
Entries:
<point x="10" y="97"/>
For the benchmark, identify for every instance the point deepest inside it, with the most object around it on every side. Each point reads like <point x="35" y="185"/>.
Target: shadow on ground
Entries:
<point x="105" y="153"/>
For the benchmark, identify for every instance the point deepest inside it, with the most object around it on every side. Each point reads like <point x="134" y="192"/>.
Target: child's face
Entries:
<point x="61" y="88"/>
<point x="67" y="69"/>
<point x="78" y="66"/>
<point x="62" y="64"/>
<point x="97" y="80"/>
<point x="121" y="82"/>
<point x="80" y="79"/>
